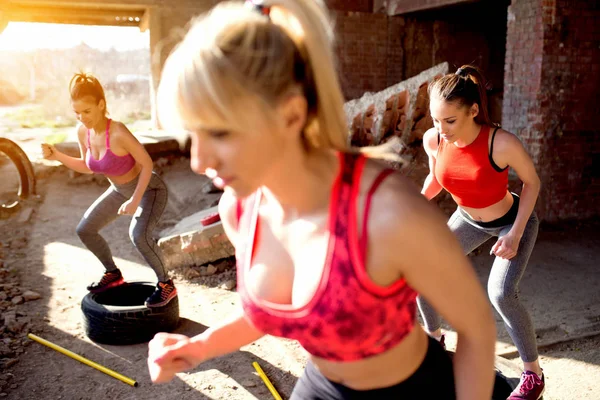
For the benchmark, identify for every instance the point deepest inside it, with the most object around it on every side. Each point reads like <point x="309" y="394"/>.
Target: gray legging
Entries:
<point x="105" y="210"/>
<point x="503" y="282"/>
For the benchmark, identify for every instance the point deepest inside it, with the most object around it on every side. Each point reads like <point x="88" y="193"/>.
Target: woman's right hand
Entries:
<point x="170" y="353"/>
<point x="48" y="151"/>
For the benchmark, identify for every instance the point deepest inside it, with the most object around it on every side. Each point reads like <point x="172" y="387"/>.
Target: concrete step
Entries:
<point x="189" y="243"/>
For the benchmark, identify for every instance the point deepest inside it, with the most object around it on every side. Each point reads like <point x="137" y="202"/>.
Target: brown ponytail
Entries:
<point x="465" y="87"/>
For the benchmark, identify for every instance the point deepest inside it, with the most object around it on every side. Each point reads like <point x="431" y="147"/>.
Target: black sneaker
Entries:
<point x="163" y="294"/>
<point x="109" y="280"/>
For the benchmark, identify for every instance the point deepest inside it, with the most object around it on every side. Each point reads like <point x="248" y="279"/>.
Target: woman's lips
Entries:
<point x="221" y="182"/>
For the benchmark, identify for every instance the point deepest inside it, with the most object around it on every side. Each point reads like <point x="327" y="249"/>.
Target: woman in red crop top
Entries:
<point x="107" y="147"/>
<point x="331" y="246"/>
<point x="469" y="157"/>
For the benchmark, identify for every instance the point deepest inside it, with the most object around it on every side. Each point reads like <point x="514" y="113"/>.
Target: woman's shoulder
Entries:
<point x="81" y="130"/>
<point x="397" y="210"/>
<point x="120" y="134"/>
<point x="395" y="193"/>
<point x="118" y="128"/>
<point x="504" y="140"/>
<point x="431" y="140"/>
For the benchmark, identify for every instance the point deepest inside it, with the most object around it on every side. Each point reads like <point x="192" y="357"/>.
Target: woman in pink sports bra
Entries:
<point x="332" y="246"/>
<point x="107" y="147"/>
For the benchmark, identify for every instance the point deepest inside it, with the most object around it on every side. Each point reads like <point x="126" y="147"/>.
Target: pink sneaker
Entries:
<point x="531" y="387"/>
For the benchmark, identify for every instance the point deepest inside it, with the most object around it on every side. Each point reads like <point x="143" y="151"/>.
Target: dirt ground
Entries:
<point x="40" y="252"/>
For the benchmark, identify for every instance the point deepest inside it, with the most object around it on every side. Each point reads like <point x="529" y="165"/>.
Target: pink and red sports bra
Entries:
<point x="110" y="163"/>
<point x="349" y="317"/>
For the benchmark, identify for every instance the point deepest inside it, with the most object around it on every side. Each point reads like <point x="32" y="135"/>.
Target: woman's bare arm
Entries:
<point x="431" y="186"/>
<point x="412" y="237"/>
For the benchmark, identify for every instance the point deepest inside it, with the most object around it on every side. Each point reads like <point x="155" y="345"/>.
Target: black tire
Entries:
<point x="507" y="377"/>
<point x="24" y="167"/>
<point x="118" y="316"/>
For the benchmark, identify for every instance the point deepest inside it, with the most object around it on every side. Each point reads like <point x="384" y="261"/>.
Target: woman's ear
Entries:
<point x="474" y="110"/>
<point x="102" y="105"/>
<point x="293" y="111"/>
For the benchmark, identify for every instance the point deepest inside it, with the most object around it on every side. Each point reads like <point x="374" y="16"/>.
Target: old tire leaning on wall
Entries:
<point x="25" y="171"/>
<point x="118" y="316"/>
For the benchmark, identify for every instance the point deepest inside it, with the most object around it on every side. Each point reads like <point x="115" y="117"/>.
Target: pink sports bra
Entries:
<point x="110" y="163"/>
<point x="349" y="317"/>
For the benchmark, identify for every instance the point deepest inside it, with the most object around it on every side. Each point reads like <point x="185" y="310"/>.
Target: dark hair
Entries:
<point x="83" y="84"/>
<point x="466" y="87"/>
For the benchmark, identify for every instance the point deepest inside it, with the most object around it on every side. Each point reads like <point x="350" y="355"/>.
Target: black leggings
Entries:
<point x="434" y="379"/>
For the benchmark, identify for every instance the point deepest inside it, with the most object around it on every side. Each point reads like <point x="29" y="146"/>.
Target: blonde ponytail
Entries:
<point x="308" y="23"/>
<point x="235" y="54"/>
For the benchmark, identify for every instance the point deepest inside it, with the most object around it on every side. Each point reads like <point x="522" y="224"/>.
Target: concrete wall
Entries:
<point x="552" y="82"/>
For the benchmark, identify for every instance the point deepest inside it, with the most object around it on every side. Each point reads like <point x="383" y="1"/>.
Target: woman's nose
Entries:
<point x="202" y="156"/>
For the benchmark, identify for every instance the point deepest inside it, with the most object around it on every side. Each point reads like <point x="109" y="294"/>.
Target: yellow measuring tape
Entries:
<point x="266" y="380"/>
<point x="84" y="360"/>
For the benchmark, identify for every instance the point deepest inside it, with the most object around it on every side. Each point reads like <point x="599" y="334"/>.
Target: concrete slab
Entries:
<point x="189" y="243"/>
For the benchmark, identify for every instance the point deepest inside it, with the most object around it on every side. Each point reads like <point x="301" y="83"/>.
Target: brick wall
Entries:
<point x="365" y="6"/>
<point x="377" y="51"/>
<point x="362" y="50"/>
<point x="551" y="95"/>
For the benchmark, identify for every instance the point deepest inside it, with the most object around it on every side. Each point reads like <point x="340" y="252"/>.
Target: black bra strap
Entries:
<point x="494" y="165"/>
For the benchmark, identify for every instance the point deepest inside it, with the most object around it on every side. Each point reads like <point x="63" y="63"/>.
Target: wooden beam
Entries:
<point x="400" y="7"/>
<point x="82" y="16"/>
<point x="145" y="21"/>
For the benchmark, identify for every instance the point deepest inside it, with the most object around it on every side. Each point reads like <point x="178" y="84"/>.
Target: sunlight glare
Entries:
<point x="27" y="36"/>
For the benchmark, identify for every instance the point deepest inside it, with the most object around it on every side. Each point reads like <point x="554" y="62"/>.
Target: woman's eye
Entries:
<point x="451" y="122"/>
<point x="218" y="134"/>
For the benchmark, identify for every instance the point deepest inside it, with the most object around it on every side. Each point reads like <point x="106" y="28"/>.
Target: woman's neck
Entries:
<point x="469" y="136"/>
<point x="301" y="182"/>
<point x="100" y="127"/>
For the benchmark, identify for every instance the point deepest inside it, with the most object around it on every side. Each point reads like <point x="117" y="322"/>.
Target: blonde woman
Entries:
<point x="332" y="246"/>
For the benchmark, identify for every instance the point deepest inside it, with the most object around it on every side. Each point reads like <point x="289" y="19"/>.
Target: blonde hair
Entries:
<point x="235" y="54"/>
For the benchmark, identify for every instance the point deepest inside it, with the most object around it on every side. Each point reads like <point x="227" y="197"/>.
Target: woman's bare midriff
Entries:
<point x="383" y="370"/>
<point x="127" y="177"/>
<point x="492" y="212"/>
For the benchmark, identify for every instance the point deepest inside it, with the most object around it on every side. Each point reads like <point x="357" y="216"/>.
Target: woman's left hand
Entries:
<point x="506" y="247"/>
<point x="128" y="208"/>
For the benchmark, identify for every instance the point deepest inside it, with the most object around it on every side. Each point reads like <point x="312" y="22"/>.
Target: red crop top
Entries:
<point x="469" y="173"/>
<point x="349" y="317"/>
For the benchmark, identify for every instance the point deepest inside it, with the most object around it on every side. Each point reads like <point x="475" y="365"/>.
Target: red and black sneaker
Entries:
<point x="531" y="387"/>
<point x="163" y="294"/>
<point x="109" y="280"/>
